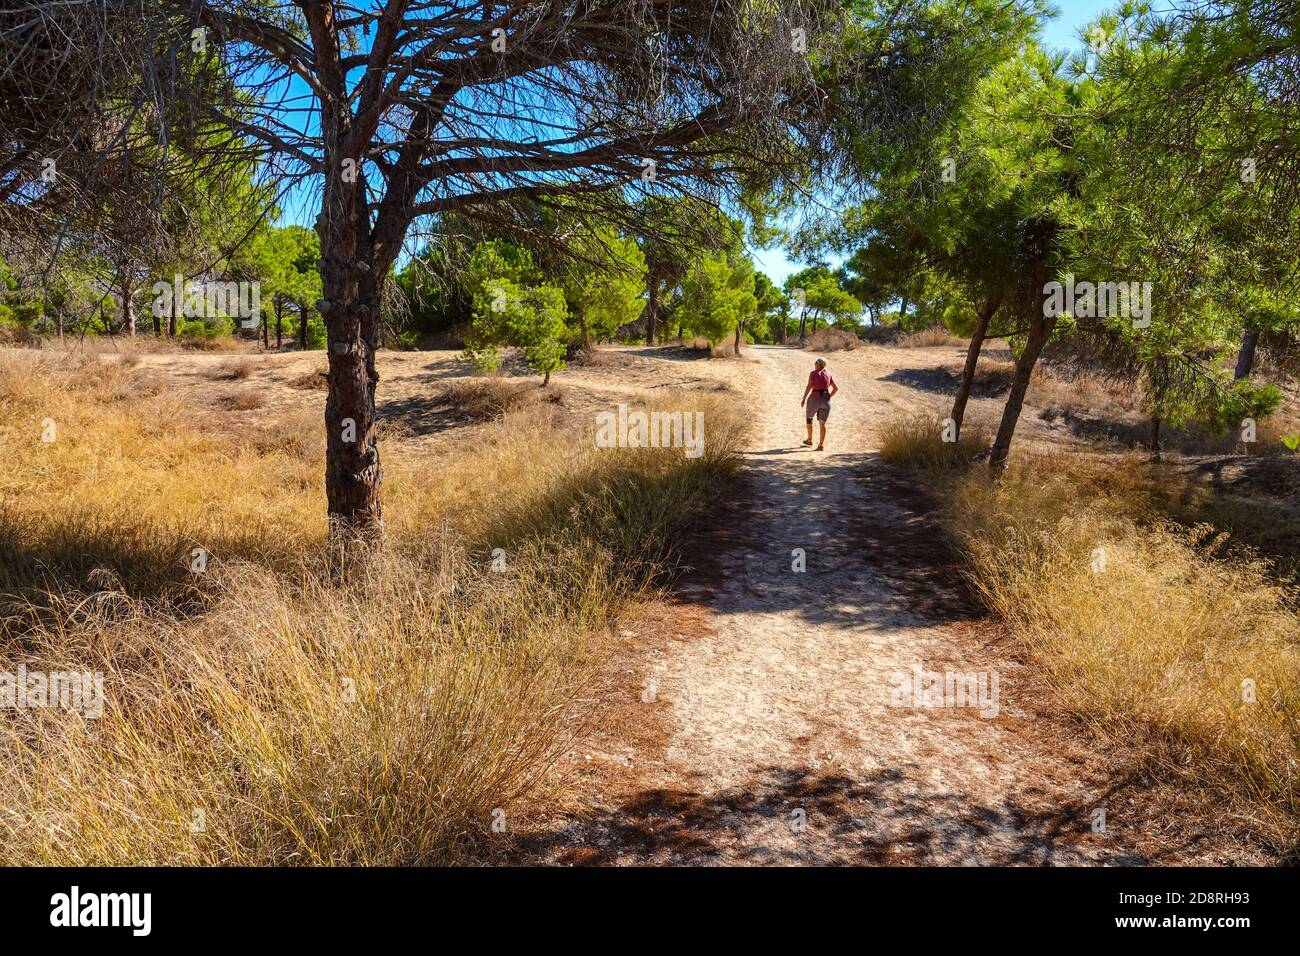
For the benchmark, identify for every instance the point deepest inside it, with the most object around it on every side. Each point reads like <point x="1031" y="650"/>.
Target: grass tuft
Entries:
<point x="917" y="443"/>
<point x="491" y="397"/>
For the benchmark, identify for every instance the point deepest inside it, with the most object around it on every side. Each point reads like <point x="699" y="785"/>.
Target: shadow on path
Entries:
<point x="789" y="816"/>
<point x="871" y="547"/>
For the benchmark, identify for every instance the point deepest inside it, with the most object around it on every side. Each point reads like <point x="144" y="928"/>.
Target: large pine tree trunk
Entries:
<point x="982" y="320"/>
<point x="1246" y="356"/>
<point x="350" y="305"/>
<point x="353" y="474"/>
<point x="739" y="325"/>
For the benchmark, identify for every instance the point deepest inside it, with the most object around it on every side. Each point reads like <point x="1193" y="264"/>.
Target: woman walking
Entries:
<point x="817" y="399"/>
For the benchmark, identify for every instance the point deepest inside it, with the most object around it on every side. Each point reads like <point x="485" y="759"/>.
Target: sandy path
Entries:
<point x="783" y="743"/>
<point x="793" y="688"/>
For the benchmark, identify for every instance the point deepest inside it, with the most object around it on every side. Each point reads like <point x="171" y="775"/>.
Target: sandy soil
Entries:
<point x="778" y="741"/>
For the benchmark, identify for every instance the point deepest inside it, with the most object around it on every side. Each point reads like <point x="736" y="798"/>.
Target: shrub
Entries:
<point x="313" y="380"/>
<point x="882" y="334"/>
<point x="929" y="338"/>
<point x="831" y="340"/>
<point x="485" y="399"/>
<point x="236" y="371"/>
<point x="245" y="400"/>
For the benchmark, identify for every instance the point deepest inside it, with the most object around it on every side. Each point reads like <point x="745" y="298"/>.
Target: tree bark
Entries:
<point x="739" y="325"/>
<point x="350" y="278"/>
<point x="902" y="311"/>
<point x="1246" y="356"/>
<point x="1155" y="437"/>
<point x="279" y="323"/>
<point x="128" y="310"/>
<point x="1040" y="328"/>
<point x="1042" y="240"/>
<point x="652" y="306"/>
<point x="982" y="319"/>
<point x="803" y="327"/>
<point x="266" y="330"/>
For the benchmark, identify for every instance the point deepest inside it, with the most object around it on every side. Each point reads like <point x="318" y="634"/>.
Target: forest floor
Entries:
<point x="747" y="716"/>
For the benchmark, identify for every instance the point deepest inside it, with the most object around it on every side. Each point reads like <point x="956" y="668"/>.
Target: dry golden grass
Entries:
<point x="592" y="356"/>
<point x="831" y="340"/>
<point x="237" y="370"/>
<point x="929" y="338"/>
<point x="313" y="381"/>
<point x="490" y="397"/>
<point x="207" y="343"/>
<point x="245" y="400"/>
<point x="917" y="442"/>
<point x="1059" y="391"/>
<point x="303" y="722"/>
<point x="1162" y="637"/>
<point x="143" y="343"/>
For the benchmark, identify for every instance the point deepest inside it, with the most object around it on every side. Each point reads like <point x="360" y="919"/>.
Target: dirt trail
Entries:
<point x="783" y="745"/>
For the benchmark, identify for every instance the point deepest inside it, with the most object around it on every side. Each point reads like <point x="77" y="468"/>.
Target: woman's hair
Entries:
<point x="819" y="361"/>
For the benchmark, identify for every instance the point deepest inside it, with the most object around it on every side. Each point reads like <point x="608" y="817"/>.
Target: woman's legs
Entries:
<point x="821" y="440"/>
<point x="809" y="441"/>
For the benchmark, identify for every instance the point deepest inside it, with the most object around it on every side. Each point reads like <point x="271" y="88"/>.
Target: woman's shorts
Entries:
<point x="818" y="406"/>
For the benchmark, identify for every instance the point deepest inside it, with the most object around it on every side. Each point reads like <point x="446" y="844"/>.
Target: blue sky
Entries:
<point x="1061" y="33"/>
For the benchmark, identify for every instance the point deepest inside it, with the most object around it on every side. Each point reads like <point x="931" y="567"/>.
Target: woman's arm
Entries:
<point x="806" y="389"/>
<point x="834" y="388"/>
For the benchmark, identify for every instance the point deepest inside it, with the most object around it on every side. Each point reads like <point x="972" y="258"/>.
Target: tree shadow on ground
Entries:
<point x="872" y="550"/>
<point x="989" y="383"/>
<point x="892" y="816"/>
<point x="422" y="415"/>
